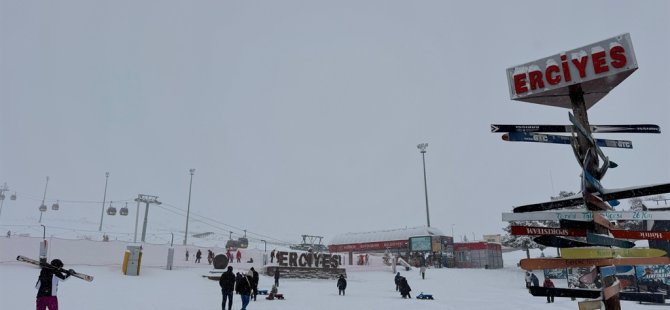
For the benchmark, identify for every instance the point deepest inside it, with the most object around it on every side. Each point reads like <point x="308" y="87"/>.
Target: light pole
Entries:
<point x="104" y="196"/>
<point x="43" y="207"/>
<point x="452" y="230"/>
<point x="188" y="208"/>
<point x="422" y="147"/>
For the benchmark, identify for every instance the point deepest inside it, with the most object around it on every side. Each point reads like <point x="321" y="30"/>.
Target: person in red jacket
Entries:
<point x="239" y="256"/>
<point x="550" y="294"/>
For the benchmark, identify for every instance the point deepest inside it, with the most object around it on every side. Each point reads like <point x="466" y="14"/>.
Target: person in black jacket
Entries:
<point x="341" y="285"/>
<point x="277" y="276"/>
<point x="397" y="280"/>
<point x="254" y="283"/>
<point x="404" y="288"/>
<point x="47" y="285"/>
<point x="244" y="288"/>
<point x="227" y="283"/>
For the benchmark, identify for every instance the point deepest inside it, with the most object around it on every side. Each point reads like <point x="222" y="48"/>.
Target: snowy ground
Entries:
<point x="185" y="288"/>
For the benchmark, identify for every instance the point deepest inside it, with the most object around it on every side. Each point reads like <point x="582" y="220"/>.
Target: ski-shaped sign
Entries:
<point x="586" y="215"/>
<point x="558" y="139"/>
<point x="73" y="273"/>
<point x="559" y="242"/>
<point x="612" y="194"/>
<point x="527" y="230"/>
<point x="633" y="128"/>
<point x="603" y="240"/>
<point x="603" y="252"/>
<point x="556" y="263"/>
<point x="563" y="292"/>
<point x="649" y="235"/>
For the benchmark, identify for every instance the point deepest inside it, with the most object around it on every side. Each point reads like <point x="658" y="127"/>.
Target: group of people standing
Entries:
<point x="210" y="256"/>
<point x="532" y="280"/>
<point x="244" y="285"/>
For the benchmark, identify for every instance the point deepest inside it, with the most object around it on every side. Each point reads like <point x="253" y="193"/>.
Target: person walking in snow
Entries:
<point x="397" y="281"/>
<point x="210" y="256"/>
<point x="272" y="256"/>
<point x="244" y="289"/>
<point x="341" y="285"/>
<point x="404" y="288"/>
<point x="277" y="277"/>
<point x="187" y="255"/>
<point x="422" y="271"/>
<point x="239" y="256"/>
<point x="534" y="279"/>
<point x="227" y="283"/>
<point x="254" y="283"/>
<point x="550" y="293"/>
<point x="197" y="256"/>
<point x="47" y="285"/>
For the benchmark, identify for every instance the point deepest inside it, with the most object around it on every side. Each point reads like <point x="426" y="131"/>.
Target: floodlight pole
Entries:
<point x="188" y="209"/>
<point x="422" y="147"/>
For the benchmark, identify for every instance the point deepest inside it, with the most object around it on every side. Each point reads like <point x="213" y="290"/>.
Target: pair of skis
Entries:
<point x="73" y="273"/>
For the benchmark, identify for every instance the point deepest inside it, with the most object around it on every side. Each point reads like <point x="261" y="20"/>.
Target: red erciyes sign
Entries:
<point x="597" y="67"/>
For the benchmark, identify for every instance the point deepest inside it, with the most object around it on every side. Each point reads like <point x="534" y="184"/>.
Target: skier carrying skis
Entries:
<point x="341" y="285"/>
<point x="47" y="285"/>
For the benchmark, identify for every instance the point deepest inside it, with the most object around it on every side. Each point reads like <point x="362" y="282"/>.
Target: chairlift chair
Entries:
<point x="13" y="197"/>
<point x="123" y="211"/>
<point x="43" y="208"/>
<point x="55" y="206"/>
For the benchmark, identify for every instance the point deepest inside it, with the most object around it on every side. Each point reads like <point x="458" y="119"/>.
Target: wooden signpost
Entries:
<point x="576" y="80"/>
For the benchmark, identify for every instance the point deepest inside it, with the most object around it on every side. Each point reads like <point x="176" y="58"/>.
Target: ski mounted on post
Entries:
<point x="603" y="252"/>
<point x="586" y="216"/>
<point x="603" y="240"/>
<point x="559" y="242"/>
<point x="73" y="273"/>
<point x="528" y="230"/>
<point x="563" y="292"/>
<point x="558" y="139"/>
<point x="649" y="235"/>
<point x="561" y="263"/>
<point x="607" y="195"/>
<point x="633" y="128"/>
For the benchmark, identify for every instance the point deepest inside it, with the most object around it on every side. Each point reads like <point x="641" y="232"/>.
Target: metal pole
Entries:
<point x="104" y="196"/>
<point x="423" y="147"/>
<point x="146" y="216"/>
<point x="188" y="209"/>
<point x="137" y="216"/>
<point x="43" y="198"/>
<point x="265" y="246"/>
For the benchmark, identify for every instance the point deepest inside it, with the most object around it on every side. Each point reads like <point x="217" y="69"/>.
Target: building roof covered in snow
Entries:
<point x="385" y="235"/>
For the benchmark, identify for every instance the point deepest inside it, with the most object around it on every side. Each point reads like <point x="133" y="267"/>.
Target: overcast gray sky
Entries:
<point x="302" y="117"/>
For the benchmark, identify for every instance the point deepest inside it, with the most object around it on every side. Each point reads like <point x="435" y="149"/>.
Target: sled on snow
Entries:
<point x="424" y="296"/>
